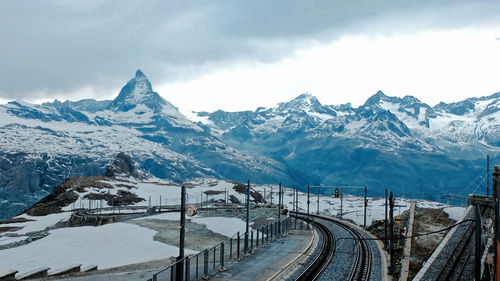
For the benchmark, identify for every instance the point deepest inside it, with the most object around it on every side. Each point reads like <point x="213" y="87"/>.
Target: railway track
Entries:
<point x="461" y="256"/>
<point x="358" y="252"/>
<point x="323" y="259"/>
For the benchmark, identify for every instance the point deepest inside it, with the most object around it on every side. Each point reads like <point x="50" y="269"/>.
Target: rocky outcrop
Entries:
<point x="27" y="178"/>
<point x="123" y="166"/>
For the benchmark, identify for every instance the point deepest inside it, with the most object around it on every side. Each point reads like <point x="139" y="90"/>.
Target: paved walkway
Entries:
<point x="261" y="265"/>
<point x="267" y="261"/>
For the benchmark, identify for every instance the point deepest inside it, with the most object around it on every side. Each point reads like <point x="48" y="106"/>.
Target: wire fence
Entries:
<point x="218" y="257"/>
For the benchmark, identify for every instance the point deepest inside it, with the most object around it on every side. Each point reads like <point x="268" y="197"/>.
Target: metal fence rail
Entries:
<point x="209" y="261"/>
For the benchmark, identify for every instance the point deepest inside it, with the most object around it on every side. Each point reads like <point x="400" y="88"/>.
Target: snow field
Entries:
<point x="107" y="246"/>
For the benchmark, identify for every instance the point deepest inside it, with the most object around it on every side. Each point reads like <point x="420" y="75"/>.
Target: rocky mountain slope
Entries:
<point x="399" y="143"/>
<point x="42" y="145"/>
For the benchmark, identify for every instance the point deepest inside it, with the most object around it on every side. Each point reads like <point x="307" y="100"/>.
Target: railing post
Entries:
<point x="173" y="275"/>
<point x="251" y="241"/>
<point x="205" y="265"/>
<point x="257" y="240"/>
<point x="238" y="247"/>
<point x="231" y="248"/>
<point x="215" y="250"/>
<point x="267" y="233"/>
<point x="197" y="265"/>
<point x="188" y="268"/>
<point x="222" y="256"/>
<point x="262" y="234"/>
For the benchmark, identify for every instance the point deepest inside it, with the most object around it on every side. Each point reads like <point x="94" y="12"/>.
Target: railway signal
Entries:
<point x="337" y="194"/>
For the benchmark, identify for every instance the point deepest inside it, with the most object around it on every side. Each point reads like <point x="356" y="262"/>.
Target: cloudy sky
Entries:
<point x="235" y="55"/>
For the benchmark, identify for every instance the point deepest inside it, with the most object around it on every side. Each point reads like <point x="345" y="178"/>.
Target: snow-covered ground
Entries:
<point x="222" y="225"/>
<point x="106" y="246"/>
<point x="32" y="225"/>
<point x="125" y="243"/>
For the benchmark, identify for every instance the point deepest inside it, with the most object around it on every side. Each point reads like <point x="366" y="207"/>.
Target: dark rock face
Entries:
<point x="123" y="165"/>
<point x="27" y="178"/>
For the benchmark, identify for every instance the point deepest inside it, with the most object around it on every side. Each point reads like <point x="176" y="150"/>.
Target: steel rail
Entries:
<point x="323" y="259"/>
<point x="363" y="258"/>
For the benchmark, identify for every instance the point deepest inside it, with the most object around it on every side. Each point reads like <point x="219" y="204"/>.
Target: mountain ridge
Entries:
<point x="53" y="141"/>
<point x="394" y="142"/>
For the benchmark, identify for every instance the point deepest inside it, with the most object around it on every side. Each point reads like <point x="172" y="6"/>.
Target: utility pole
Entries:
<point x="487" y="175"/>
<point x="317" y="209"/>
<point x="248" y="217"/>
<point x="391" y="233"/>
<point x="365" y="203"/>
<point x="296" y="199"/>
<point x="279" y="207"/>
<point x="180" y="265"/>
<point x="341" y="202"/>
<point x="282" y="198"/>
<point x="308" y="201"/>
<point x="385" y="221"/>
<point x="271" y="195"/>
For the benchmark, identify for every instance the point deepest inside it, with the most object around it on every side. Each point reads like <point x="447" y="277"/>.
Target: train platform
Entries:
<point x="275" y="261"/>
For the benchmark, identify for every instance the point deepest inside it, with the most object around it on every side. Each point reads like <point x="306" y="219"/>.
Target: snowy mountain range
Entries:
<point x="398" y="143"/>
<point x="42" y="145"/>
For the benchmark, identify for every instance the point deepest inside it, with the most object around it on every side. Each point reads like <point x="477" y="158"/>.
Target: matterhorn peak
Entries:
<point x="140" y="74"/>
<point x="138" y="90"/>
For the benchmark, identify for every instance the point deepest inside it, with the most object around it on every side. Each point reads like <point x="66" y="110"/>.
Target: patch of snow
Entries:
<point x="455" y="213"/>
<point x="225" y="226"/>
<point x="106" y="246"/>
<point x="39" y="223"/>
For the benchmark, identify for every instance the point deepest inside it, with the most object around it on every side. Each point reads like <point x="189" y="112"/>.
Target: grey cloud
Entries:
<point x="61" y="46"/>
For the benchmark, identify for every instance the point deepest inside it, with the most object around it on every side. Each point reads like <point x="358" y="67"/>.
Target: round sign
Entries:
<point x="190" y="210"/>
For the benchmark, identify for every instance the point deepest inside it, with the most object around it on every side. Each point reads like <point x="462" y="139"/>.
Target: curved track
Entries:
<point x="323" y="259"/>
<point x="348" y="247"/>
<point x="462" y="254"/>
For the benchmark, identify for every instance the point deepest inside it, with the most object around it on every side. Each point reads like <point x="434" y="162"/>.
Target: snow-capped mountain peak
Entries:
<point x="138" y="90"/>
<point x="303" y="102"/>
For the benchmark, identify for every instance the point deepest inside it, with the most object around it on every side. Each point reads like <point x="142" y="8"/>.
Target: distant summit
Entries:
<point x="305" y="102"/>
<point x="137" y="91"/>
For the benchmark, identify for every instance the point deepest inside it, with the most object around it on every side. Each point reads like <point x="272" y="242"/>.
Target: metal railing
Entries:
<point x="209" y="261"/>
